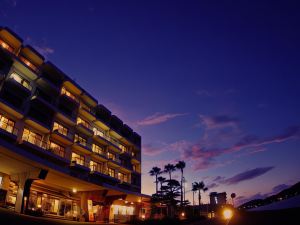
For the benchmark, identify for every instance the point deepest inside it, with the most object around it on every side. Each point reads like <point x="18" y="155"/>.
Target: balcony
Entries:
<point x="84" y="147"/>
<point x="78" y="164"/>
<point x="43" y="148"/>
<point x="5" y="63"/>
<point x="8" y="131"/>
<point x="30" y="65"/>
<point x="52" y="74"/>
<point x="114" y="161"/>
<point x="62" y="136"/>
<point x="85" y="128"/>
<point x="6" y="46"/>
<point x="87" y="113"/>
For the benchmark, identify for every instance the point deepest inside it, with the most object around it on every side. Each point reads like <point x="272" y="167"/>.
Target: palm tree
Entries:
<point x="194" y="189"/>
<point x="200" y="186"/>
<point x="169" y="168"/>
<point x="155" y="171"/>
<point x="233" y="195"/>
<point x="161" y="180"/>
<point x="181" y="165"/>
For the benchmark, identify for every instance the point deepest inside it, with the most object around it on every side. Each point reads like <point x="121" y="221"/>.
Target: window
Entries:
<point x="97" y="149"/>
<point x="83" y="122"/>
<point x="60" y="128"/>
<point x="123" y="148"/>
<point x="123" y="177"/>
<point x="21" y="80"/>
<point x="1" y="178"/>
<point x="111" y="156"/>
<point x="111" y="172"/>
<point x="33" y="138"/>
<point x="95" y="166"/>
<point x="79" y="159"/>
<point x="98" y="132"/>
<point x="57" y="149"/>
<point x="134" y="168"/>
<point x="6" y="124"/>
<point x="86" y="108"/>
<point x="67" y="93"/>
<point x="80" y="140"/>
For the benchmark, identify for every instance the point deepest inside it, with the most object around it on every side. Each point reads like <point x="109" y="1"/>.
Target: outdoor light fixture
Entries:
<point x="126" y="202"/>
<point x="74" y="190"/>
<point x="182" y="214"/>
<point x="143" y="216"/>
<point x="227" y="214"/>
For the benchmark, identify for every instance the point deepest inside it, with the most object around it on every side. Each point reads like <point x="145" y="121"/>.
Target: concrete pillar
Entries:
<point x="22" y="177"/>
<point x="20" y="127"/>
<point x="84" y="205"/>
<point x="68" y="153"/>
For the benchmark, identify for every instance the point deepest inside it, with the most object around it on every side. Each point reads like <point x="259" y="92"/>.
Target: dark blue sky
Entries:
<point x="216" y="84"/>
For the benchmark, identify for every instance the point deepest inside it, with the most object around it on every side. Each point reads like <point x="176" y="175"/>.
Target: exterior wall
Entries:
<point x="40" y="95"/>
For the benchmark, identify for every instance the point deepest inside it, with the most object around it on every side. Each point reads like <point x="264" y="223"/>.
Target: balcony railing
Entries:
<point x="115" y="160"/>
<point x="35" y="141"/>
<point x="79" y="161"/>
<point x="57" y="151"/>
<point x="84" y="144"/>
<point x="6" y="46"/>
<point x="63" y="133"/>
<point x="8" y="127"/>
<point x="29" y="64"/>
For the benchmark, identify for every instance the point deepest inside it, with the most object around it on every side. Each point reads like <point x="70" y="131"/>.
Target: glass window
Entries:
<point x="60" y="128"/>
<point x="111" y="156"/>
<point x="6" y="124"/>
<point x="33" y="138"/>
<point x="57" y="149"/>
<point x="80" y="140"/>
<point x="95" y="166"/>
<point x="83" y="122"/>
<point x="79" y="159"/>
<point x="64" y="91"/>
<point x="111" y="172"/>
<point x="98" y="132"/>
<point x="21" y="80"/>
<point x="97" y="149"/>
<point x="123" y="177"/>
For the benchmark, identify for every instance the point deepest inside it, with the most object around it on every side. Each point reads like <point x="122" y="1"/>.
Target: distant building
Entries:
<point x="218" y="198"/>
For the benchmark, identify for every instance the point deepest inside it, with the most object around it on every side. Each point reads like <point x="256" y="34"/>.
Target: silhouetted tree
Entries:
<point x="233" y="195"/>
<point x="181" y="165"/>
<point x="161" y="180"/>
<point x="200" y="186"/>
<point x="155" y="171"/>
<point x="169" y="168"/>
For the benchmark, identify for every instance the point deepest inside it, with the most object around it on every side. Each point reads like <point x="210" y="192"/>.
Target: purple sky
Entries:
<point x="216" y="85"/>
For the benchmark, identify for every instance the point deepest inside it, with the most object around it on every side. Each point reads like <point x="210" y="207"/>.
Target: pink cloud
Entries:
<point x="158" y="118"/>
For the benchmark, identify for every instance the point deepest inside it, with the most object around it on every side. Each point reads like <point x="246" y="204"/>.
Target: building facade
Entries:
<point x="62" y="154"/>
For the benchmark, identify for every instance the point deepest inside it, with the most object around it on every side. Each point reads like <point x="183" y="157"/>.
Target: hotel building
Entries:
<point x="62" y="154"/>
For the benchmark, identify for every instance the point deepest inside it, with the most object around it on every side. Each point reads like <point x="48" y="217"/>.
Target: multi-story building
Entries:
<point x="61" y="152"/>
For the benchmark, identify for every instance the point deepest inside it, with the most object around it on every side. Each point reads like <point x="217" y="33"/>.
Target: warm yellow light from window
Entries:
<point x="227" y="213"/>
<point x="4" y="45"/>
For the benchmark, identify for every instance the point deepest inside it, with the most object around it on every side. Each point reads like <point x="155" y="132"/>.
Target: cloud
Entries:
<point x="204" y="156"/>
<point x="44" y="50"/>
<point x="158" y="118"/>
<point x="212" y="185"/>
<point x="151" y="150"/>
<point x="218" y="121"/>
<point x="246" y="175"/>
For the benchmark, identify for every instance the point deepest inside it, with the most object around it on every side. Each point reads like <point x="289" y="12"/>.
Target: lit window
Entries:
<point x="83" y="122"/>
<point x="6" y="124"/>
<point x="98" y="132"/>
<point x="95" y="166"/>
<point x="33" y="138"/>
<point x="111" y="156"/>
<point x="123" y="148"/>
<point x="6" y="46"/>
<point x="111" y="172"/>
<point x="21" y="80"/>
<point x="80" y="140"/>
<point x="79" y="159"/>
<point x="64" y="91"/>
<point x="123" y="177"/>
<point x="60" y="128"/>
<point x="97" y="149"/>
<point x="57" y="149"/>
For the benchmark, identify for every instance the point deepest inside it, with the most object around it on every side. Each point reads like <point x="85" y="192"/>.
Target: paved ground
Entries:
<point x="282" y="217"/>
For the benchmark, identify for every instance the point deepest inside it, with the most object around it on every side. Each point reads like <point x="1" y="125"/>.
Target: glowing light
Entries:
<point x="74" y="190"/>
<point x="126" y="202"/>
<point x="131" y="203"/>
<point x="182" y="214"/>
<point x="139" y="200"/>
<point x="143" y="216"/>
<point x="39" y="206"/>
<point x="227" y="213"/>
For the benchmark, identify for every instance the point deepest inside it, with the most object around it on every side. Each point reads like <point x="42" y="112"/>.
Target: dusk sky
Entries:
<point x="214" y="84"/>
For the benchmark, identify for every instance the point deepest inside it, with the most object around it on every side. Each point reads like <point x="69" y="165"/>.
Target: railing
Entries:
<point x="80" y="161"/>
<point x="84" y="144"/>
<point x="86" y="125"/>
<point x="95" y="168"/>
<point x="115" y="160"/>
<point x="29" y="64"/>
<point x="36" y="141"/>
<point x="6" y="46"/>
<point x="66" y="134"/>
<point x="8" y="127"/>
